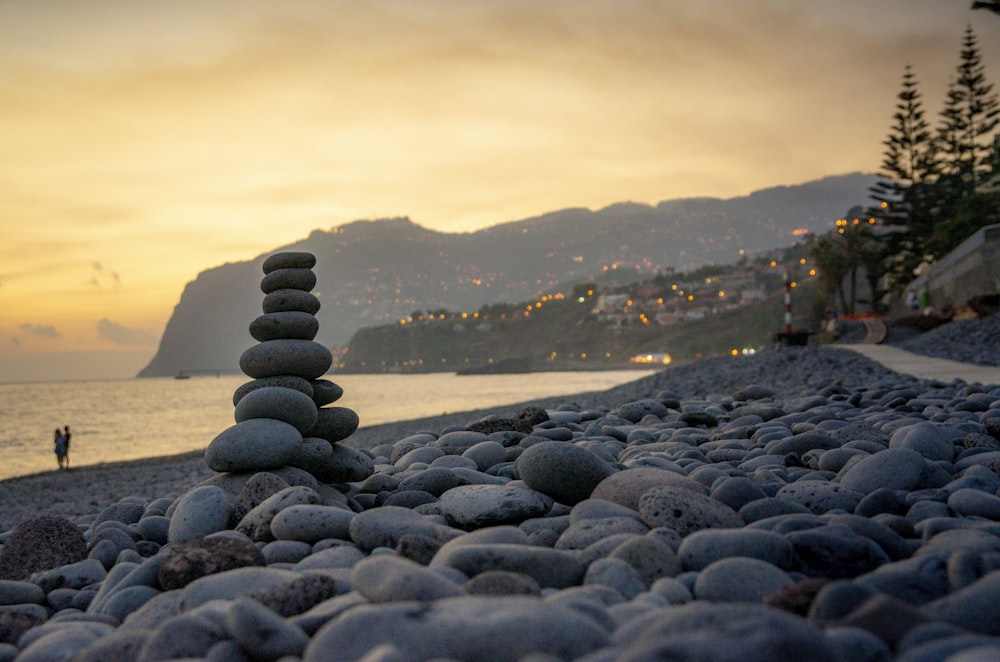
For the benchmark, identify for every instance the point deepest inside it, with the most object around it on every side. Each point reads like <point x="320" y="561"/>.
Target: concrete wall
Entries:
<point x="971" y="269"/>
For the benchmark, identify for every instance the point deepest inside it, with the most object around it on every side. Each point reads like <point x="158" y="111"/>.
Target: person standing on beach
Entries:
<point x="60" y="442"/>
<point x="67" y="435"/>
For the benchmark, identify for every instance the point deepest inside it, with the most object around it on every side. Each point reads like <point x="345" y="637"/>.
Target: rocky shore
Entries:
<point x="802" y="503"/>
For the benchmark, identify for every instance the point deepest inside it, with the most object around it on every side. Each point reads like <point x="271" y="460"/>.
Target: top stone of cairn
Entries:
<point x="289" y="260"/>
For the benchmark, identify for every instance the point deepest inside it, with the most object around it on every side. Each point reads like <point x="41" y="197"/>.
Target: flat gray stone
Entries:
<point x="702" y="548"/>
<point x="263" y="634"/>
<point x="562" y="470"/>
<point x="685" y="510"/>
<point x="257" y="444"/>
<point x="893" y="468"/>
<point x="343" y="464"/>
<point x="285" y="381"/>
<point x="289" y="260"/>
<point x="257" y="523"/>
<point x="230" y="584"/>
<point x="583" y="533"/>
<point x="383" y="527"/>
<point x="727" y="631"/>
<point x="975" y="503"/>
<point x="326" y="392"/>
<point x="739" y="579"/>
<point x="625" y="487"/>
<point x="926" y="438"/>
<point x="300" y="358"/>
<point x="549" y="567"/>
<point x="185" y="562"/>
<point x="199" y="512"/>
<point x="14" y="592"/>
<point x="820" y="496"/>
<point x="334" y="424"/>
<point x="462" y="628"/>
<point x="289" y="324"/>
<point x="385" y="578"/>
<point x="475" y="506"/>
<point x="312" y="523"/>
<point x="280" y="403"/>
<point x="41" y="543"/>
<point x="288" y="278"/>
<point x="974" y="607"/>
<point x="285" y="300"/>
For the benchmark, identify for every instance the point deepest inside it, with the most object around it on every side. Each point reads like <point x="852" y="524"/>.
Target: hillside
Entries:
<point x="375" y="272"/>
<point x="687" y="317"/>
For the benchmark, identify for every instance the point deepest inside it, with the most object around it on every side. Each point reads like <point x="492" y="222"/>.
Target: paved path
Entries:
<point x="926" y="367"/>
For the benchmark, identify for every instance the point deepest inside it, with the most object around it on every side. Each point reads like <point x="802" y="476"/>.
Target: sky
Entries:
<point x="144" y="142"/>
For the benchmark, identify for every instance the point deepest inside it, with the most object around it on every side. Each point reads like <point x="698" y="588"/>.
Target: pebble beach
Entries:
<point x="801" y="503"/>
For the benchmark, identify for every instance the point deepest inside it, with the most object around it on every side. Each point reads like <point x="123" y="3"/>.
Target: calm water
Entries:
<point x="138" y="418"/>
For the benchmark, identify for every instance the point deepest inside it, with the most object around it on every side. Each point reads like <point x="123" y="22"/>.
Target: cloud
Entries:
<point x="123" y="335"/>
<point x="42" y="330"/>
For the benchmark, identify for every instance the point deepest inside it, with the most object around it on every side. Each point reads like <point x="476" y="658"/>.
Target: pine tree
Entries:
<point x="988" y="5"/>
<point x="905" y="192"/>
<point x="970" y="114"/>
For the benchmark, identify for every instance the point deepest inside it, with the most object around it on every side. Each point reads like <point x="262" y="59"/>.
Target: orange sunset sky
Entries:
<point x="143" y="142"/>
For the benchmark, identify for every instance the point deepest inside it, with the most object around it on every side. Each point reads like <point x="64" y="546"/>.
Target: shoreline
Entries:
<point x="87" y="489"/>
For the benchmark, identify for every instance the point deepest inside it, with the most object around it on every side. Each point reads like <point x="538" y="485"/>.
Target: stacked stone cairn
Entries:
<point x="285" y="424"/>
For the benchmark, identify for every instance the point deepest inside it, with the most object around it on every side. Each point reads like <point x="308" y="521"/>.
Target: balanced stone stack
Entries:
<point x="283" y="417"/>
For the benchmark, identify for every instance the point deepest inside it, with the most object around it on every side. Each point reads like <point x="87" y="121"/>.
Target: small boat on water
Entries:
<point x="182" y="375"/>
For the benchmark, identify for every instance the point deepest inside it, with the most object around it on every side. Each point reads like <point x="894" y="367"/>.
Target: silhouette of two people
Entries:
<point x="62" y="439"/>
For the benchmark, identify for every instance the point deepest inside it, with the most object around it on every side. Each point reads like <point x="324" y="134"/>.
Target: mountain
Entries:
<point x="373" y="272"/>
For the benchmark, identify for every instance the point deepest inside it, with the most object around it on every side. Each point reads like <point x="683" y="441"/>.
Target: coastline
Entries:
<point x="86" y="490"/>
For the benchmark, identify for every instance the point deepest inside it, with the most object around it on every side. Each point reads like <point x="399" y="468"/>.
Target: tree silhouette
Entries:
<point x="906" y="192"/>
<point x="988" y="5"/>
<point x="970" y="114"/>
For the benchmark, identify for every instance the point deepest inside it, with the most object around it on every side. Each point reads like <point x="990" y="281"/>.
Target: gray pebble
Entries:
<point x="199" y="512"/>
<point x="474" y="506"/>
<point x="280" y="403"/>
<point x="263" y="634"/>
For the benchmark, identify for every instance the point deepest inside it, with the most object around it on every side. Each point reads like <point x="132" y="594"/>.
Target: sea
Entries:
<point x="131" y="419"/>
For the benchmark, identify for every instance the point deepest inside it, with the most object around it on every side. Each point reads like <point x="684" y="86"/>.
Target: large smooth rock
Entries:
<point x="289" y="324"/>
<point x="893" y="468"/>
<point x="704" y="547"/>
<point x="41" y="543"/>
<point x="930" y="440"/>
<point x="257" y="444"/>
<point x="199" y="512"/>
<point x="257" y="523"/>
<point x="739" y="579"/>
<point x="288" y="278"/>
<point x="191" y="560"/>
<point x="460" y="628"/>
<point x="286" y="381"/>
<point x="563" y="471"/>
<point x="312" y="523"/>
<point x="283" y="404"/>
<point x="685" y="510"/>
<point x="300" y="358"/>
<point x="383" y="527"/>
<point x="334" y="424"/>
<point x="625" y="487"/>
<point x="475" y="506"/>
<point x="289" y="260"/>
<point x="820" y="496"/>
<point x="285" y="300"/>
<point x="384" y="578"/>
<point x="721" y="631"/>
